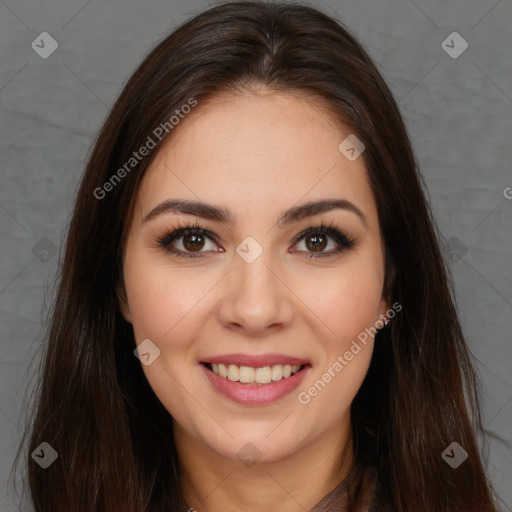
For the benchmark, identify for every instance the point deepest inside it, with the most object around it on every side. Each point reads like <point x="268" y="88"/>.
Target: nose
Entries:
<point x="256" y="299"/>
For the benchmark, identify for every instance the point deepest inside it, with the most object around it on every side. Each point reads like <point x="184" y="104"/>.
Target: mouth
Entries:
<point x="255" y="376"/>
<point x="260" y="384"/>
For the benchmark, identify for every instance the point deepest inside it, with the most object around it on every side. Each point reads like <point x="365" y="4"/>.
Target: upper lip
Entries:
<point x="255" y="361"/>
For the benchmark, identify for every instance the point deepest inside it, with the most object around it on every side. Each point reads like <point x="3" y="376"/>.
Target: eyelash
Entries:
<point x="344" y="242"/>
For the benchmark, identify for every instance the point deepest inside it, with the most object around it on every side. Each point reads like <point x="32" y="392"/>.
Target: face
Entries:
<point x="262" y="282"/>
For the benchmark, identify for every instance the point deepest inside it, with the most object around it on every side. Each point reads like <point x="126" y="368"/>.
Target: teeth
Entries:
<point x="222" y="369"/>
<point x="262" y="375"/>
<point x="250" y="375"/>
<point x="245" y="373"/>
<point x="277" y="372"/>
<point x="233" y="372"/>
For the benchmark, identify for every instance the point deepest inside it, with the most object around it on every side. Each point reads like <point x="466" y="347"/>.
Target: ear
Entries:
<point x="123" y="303"/>
<point x="389" y="278"/>
<point x="387" y="289"/>
<point x="384" y="307"/>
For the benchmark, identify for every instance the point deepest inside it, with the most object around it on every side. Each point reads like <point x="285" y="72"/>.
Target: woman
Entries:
<point x="253" y="310"/>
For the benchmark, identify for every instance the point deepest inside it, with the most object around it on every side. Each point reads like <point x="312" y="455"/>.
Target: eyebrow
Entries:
<point x="215" y="213"/>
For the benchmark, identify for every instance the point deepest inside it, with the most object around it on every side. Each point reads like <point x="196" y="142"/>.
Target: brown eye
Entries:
<point x="190" y="241"/>
<point x="193" y="242"/>
<point x="323" y="241"/>
<point x="316" y="242"/>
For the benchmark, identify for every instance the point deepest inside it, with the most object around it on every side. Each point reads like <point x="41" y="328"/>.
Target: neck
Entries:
<point x="212" y="483"/>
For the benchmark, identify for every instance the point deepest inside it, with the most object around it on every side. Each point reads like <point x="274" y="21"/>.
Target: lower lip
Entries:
<point x="260" y="394"/>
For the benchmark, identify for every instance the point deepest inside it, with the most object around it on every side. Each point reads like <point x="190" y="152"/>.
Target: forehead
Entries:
<point x="249" y="149"/>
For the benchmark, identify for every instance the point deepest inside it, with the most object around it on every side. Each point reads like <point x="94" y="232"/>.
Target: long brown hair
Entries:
<point x="94" y="405"/>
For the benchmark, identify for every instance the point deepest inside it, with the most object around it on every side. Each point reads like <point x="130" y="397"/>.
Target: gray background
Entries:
<point x="458" y="112"/>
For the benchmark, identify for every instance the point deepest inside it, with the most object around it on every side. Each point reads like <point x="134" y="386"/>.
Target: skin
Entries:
<point x="256" y="154"/>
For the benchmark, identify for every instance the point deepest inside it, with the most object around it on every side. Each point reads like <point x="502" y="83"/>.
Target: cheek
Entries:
<point x="346" y="304"/>
<point x="344" y="353"/>
<point x="160" y="300"/>
<point x="171" y="307"/>
<point x="165" y="307"/>
<point x="347" y="301"/>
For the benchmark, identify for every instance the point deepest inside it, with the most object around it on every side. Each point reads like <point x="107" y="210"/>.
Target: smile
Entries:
<point x="254" y="376"/>
<point x="259" y="381"/>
